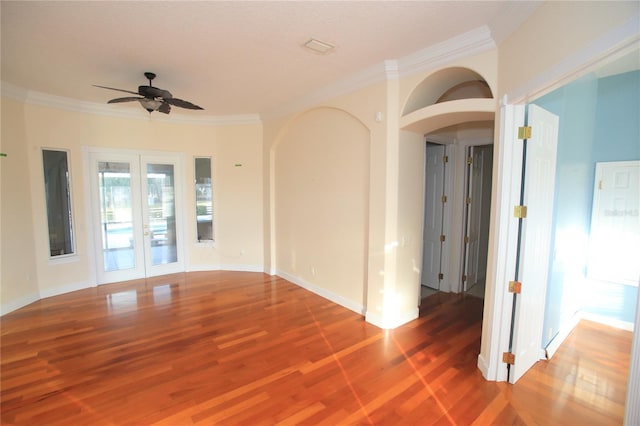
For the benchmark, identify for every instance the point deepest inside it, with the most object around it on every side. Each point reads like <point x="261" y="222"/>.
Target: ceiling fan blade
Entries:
<point x="154" y="92"/>
<point x="182" y="104"/>
<point x="165" y="108"/>
<point x="119" y="90"/>
<point x="127" y="99"/>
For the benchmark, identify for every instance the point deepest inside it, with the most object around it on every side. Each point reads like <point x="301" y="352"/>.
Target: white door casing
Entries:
<point x="539" y="184"/>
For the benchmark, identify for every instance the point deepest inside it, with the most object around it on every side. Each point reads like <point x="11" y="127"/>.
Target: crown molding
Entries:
<point x="470" y="43"/>
<point x="52" y="101"/>
<point x="467" y="44"/>
<point x="374" y="74"/>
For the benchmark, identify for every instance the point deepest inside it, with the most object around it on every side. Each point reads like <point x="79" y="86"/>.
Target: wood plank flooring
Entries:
<point x="251" y="349"/>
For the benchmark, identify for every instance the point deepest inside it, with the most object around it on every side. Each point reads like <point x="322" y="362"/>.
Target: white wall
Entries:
<point x="322" y="205"/>
<point x="18" y="279"/>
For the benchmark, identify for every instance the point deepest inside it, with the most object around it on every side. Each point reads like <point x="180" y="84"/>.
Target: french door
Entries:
<point x="134" y="199"/>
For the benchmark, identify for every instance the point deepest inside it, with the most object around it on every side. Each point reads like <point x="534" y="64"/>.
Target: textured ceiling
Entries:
<point x="230" y="57"/>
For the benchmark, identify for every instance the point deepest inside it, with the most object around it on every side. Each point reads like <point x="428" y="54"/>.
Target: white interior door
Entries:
<point x="433" y="216"/>
<point x="615" y="223"/>
<point x="540" y="170"/>
<point x="134" y="202"/>
<point x="473" y="204"/>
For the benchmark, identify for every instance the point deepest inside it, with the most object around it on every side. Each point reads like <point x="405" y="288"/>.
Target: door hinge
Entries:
<point x="520" y="212"/>
<point x="440" y="276"/>
<point x="469" y="160"/>
<point x="464" y="278"/>
<point x="508" y="358"/>
<point x="468" y="200"/>
<point x="466" y="240"/>
<point x="524" y="132"/>
<point x="515" y="287"/>
<point x="599" y="184"/>
<point x="444" y="198"/>
<point x="442" y="238"/>
<point x="445" y="159"/>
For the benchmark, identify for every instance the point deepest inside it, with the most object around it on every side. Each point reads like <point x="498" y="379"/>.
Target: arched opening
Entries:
<point x="321" y="205"/>
<point x="454" y="110"/>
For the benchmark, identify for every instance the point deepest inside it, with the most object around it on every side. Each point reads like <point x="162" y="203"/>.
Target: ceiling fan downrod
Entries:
<point x="150" y="76"/>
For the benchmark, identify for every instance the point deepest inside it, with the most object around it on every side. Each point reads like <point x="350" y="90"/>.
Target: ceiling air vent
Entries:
<point x="318" y="46"/>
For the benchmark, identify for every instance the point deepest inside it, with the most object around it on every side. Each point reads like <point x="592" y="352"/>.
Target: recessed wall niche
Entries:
<point x="446" y="98"/>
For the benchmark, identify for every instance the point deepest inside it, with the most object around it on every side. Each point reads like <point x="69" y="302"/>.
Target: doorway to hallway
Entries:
<point x="457" y="202"/>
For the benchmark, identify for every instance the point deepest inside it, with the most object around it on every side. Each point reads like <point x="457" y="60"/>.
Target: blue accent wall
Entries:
<point x="599" y="121"/>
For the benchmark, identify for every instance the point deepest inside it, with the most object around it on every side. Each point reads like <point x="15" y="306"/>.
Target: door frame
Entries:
<point x="180" y="208"/>
<point x="506" y="185"/>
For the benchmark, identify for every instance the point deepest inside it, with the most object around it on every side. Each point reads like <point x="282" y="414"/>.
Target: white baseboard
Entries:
<point x="5" y="308"/>
<point x="622" y="325"/>
<point x="483" y="366"/>
<point x="21" y="302"/>
<point x="335" y="298"/>
<point x="387" y="324"/>
<point x="68" y="288"/>
<point x="238" y="268"/>
<point x="564" y="332"/>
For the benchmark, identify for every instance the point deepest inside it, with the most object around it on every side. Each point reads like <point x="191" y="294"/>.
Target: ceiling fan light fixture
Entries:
<point x="150" y="104"/>
<point x="319" y="46"/>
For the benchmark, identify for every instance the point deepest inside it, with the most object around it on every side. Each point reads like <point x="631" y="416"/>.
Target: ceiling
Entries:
<point x="230" y="57"/>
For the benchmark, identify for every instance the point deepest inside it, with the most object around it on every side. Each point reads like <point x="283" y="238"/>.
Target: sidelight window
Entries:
<point x="58" y="200"/>
<point x="204" y="199"/>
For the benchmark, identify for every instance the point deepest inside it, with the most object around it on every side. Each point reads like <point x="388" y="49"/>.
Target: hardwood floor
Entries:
<point x="248" y="348"/>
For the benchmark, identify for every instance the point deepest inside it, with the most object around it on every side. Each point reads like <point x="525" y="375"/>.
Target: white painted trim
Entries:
<point x="384" y="323"/>
<point x="563" y="333"/>
<point x="502" y="242"/>
<point x="67" y="288"/>
<point x="615" y="43"/>
<point x="464" y="45"/>
<point x="611" y="322"/>
<point x="225" y="267"/>
<point x="483" y="366"/>
<point x="52" y="101"/>
<point x="632" y="406"/>
<point x="335" y="298"/>
<point x="90" y="221"/>
<point x="65" y="258"/>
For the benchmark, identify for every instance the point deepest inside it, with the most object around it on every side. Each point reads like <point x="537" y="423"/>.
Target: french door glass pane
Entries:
<point x="116" y="215"/>
<point x="161" y="221"/>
